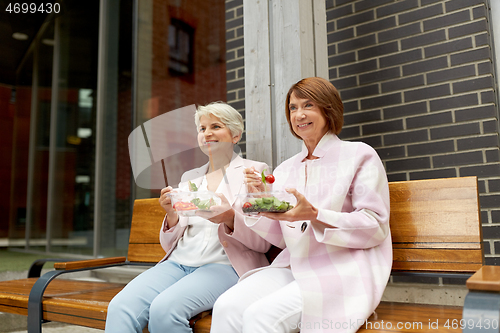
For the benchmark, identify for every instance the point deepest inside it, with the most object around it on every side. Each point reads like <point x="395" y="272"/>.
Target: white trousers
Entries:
<point x="268" y="301"/>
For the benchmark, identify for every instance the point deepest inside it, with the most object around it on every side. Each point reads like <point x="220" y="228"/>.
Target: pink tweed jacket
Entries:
<point x="342" y="270"/>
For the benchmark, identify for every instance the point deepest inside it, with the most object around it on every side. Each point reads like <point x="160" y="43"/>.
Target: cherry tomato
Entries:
<point x="179" y="206"/>
<point x="270" y="179"/>
<point x="247" y="205"/>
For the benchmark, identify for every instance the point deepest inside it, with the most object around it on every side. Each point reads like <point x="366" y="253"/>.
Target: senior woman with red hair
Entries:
<point x="337" y="250"/>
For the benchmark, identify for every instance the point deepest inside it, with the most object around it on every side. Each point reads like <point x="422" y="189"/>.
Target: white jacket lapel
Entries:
<point x="233" y="179"/>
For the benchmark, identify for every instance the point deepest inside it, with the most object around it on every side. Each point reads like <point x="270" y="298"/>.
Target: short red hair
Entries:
<point x="325" y="95"/>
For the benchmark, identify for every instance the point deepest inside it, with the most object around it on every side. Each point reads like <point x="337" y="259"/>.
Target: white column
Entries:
<point x="494" y="7"/>
<point x="285" y="41"/>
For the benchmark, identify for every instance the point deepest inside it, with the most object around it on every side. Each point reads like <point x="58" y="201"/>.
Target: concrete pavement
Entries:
<point x="59" y="328"/>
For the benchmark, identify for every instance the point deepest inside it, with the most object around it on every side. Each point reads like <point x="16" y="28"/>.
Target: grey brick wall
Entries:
<point x="234" y="60"/>
<point x="417" y="81"/>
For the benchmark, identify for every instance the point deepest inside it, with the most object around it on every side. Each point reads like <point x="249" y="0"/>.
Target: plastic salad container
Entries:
<point x="188" y="203"/>
<point x="272" y="202"/>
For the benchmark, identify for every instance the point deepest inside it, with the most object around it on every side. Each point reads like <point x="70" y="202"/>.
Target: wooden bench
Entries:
<point x="435" y="226"/>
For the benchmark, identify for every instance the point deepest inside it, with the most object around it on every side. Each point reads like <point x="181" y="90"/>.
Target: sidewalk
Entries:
<point x="60" y="328"/>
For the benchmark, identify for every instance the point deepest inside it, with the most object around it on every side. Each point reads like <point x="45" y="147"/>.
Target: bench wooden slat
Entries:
<point x="459" y="257"/>
<point x="14" y="300"/>
<point x="145" y="252"/>
<point x="436" y="245"/>
<point x="13" y="309"/>
<point x="440" y="218"/>
<point x="433" y="268"/>
<point x="144" y="242"/>
<point x="75" y="320"/>
<point x="19" y="290"/>
<point x="433" y="239"/>
<point x="411" y="315"/>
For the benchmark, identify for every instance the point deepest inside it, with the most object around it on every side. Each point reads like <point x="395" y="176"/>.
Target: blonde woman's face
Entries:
<point x="212" y="132"/>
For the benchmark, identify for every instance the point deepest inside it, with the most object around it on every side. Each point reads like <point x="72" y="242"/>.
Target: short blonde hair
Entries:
<point x="228" y="115"/>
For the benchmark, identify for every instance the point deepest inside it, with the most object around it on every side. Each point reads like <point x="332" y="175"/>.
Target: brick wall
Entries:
<point x="235" y="73"/>
<point x="417" y="81"/>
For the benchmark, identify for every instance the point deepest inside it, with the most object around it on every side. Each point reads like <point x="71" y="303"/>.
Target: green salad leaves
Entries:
<point x="204" y="204"/>
<point x="269" y="204"/>
<point x="192" y="186"/>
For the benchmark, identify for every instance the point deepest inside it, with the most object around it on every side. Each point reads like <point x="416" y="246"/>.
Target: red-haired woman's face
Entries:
<point x="307" y="119"/>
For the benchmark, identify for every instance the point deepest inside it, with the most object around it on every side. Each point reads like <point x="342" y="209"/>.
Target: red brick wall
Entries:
<point x="208" y="81"/>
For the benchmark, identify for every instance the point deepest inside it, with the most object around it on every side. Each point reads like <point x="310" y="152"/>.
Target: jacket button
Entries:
<point x="303" y="227"/>
<point x="224" y="243"/>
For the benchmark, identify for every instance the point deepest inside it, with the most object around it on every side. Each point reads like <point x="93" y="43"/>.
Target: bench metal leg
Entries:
<point x="35" y="311"/>
<point x="481" y="313"/>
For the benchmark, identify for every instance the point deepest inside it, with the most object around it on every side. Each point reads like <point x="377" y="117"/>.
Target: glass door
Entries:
<point x="72" y="130"/>
<point x="18" y="222"/>
<point x="70" y="133"/>
<point x="40" y="140"/>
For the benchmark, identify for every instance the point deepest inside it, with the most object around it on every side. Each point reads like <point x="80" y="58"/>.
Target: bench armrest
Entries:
<point x="482" y="302"/>
<point x="35" y="315"/>
<point x="36" y="267"/>
<point x="91" y="263"/>
<point x="487" y="278"/>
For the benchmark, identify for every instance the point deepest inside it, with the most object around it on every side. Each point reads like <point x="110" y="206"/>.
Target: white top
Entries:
<point x="200" y="243"/>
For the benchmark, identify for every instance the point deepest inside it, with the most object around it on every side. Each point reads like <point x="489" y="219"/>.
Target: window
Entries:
<point x="180" y="42"/>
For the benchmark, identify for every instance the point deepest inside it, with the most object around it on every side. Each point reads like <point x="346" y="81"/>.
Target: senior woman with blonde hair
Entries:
<point x="205" y="254"/>
<point x="337" y="250"/>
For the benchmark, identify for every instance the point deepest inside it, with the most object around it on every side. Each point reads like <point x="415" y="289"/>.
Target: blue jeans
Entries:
<point x="166" y="296"/>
